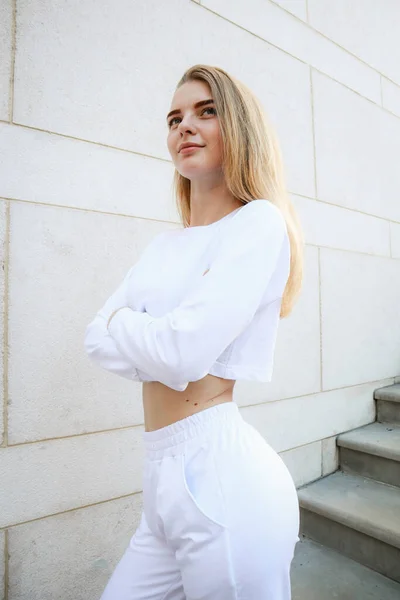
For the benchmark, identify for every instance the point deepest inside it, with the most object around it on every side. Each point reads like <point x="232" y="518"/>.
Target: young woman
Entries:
<point x="199" y="310"/>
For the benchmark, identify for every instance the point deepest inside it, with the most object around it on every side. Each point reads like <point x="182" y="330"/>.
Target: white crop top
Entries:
<point x="202" y="299"/>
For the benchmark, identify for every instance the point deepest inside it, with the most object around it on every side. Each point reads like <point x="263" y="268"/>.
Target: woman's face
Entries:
<point x="197" y="125"/>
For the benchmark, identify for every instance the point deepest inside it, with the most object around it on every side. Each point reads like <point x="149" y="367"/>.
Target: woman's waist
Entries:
<point x="163" y="405"/>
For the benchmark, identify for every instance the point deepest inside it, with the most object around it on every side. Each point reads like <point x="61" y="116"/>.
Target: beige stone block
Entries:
<point x="297" y="354"/>
<point x="294" y="422"/>
<point x="391" y="96"/>
<point x="50" y="169"/>
<point x="129" y="111"/>
<point x="395" y="239"/>
<point x="337" y="227"/>
<point x="3" y="266"/>
<point x="357" y="144"/>
<point x="360" y="299"/>
<point x="45" y="478"/>
<point x="368" y="29"/>
<point x="6" y="8"/>
<point x="71" y="555"/>
<point x="64" y="264"/>
<point x="330" y="456"/>
<point x="271" y="23"/>
<point x="304" y="463"/>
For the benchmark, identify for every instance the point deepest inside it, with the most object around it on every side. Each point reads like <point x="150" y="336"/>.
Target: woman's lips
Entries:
<point x="189" y="149"/>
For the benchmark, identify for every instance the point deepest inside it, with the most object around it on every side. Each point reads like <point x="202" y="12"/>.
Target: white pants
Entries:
<point x="220" y="518"/>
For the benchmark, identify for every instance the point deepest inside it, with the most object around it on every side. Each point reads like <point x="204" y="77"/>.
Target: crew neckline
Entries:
<point x="201" y="227"/>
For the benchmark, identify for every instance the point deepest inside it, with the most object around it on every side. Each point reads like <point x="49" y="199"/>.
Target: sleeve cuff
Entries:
<point x="135" y="375"/>
<point x="118" y="315"/>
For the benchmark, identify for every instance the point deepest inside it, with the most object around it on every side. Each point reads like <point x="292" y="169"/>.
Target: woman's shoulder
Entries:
<point x="257" y="216"/>
<point x="260" y="206"/>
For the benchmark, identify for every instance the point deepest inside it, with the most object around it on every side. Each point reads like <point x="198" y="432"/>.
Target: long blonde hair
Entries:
<point x="252" y="162"/>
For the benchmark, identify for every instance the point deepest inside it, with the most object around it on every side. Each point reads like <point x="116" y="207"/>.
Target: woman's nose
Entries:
<point x="186" y="125"/>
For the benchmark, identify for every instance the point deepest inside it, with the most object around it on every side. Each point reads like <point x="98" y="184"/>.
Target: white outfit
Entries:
<point x="180" y="324"/>
<point x="221" y="513"/>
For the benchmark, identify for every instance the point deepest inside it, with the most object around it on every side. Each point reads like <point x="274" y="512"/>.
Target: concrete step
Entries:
<point x="372" y="451"/>
<point x="319" y="573"/>
<point x="388" y="403"/>
<point x="356" y="516"/>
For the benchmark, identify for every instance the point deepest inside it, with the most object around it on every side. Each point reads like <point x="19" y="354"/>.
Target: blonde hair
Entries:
<point x="252" y="162"/>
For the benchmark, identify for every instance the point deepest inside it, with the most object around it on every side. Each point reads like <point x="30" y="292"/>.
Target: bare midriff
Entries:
<point x="164" y="406"/>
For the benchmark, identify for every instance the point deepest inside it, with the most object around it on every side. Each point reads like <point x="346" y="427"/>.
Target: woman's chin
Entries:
<point x="192" y="169"/>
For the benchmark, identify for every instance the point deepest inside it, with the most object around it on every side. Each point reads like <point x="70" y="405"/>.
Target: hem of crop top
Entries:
<point x="241" y="372"/>
<point x="221" y="370"/>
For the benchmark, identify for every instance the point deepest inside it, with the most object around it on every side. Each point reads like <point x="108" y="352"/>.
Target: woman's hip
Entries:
<point x="215" y="468"/>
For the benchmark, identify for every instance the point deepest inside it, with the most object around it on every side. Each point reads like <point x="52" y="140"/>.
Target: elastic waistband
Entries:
<point x="172" y="437"/>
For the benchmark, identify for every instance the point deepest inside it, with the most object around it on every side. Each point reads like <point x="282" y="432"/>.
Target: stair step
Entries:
<point x="319" y="573"/>
<point x="372" y="451"/>
<point x="369" y="506"/>
<point x="357" y="516"/>
<point x="388" y="403"/>
<point x="380" y="439"/>
<point x="390" y="393"/>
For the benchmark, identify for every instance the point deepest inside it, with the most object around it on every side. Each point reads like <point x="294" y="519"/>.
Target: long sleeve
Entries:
<point x="182" y="345"/>
<point x="100" y="346"/>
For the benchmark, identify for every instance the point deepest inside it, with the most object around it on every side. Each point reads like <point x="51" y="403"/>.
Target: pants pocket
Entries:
<point x="202" y="485"/>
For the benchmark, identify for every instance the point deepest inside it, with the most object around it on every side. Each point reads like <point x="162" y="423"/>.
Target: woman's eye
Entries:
<point x="204" y="109"/>
<point x="172" y="120"/>
<point x="209" y="108"/>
